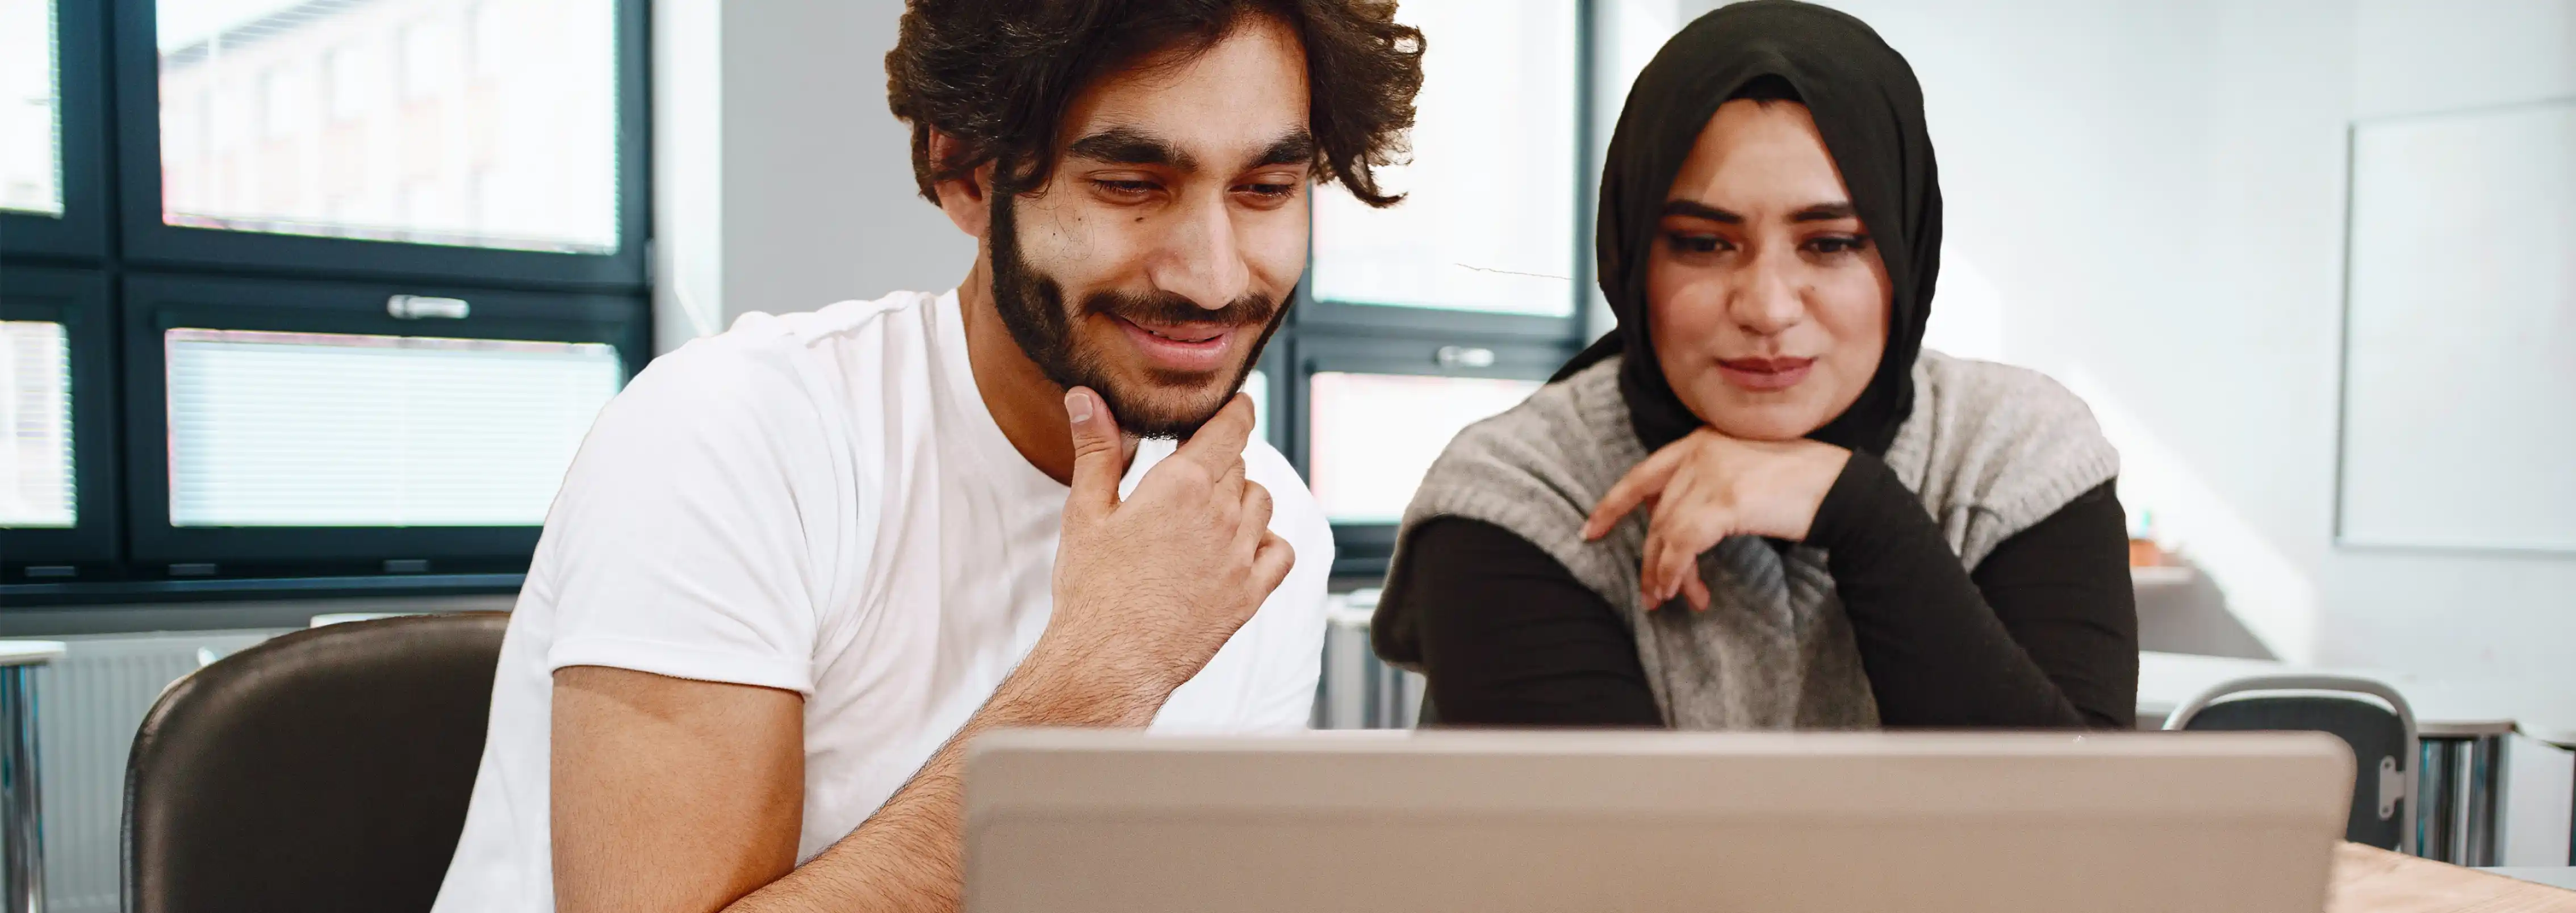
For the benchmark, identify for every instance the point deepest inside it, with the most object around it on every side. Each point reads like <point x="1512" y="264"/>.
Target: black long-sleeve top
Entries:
<point x="2043" y="633"/>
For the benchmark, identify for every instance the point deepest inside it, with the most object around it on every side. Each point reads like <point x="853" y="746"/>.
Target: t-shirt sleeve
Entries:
<point x="689" y="536"/>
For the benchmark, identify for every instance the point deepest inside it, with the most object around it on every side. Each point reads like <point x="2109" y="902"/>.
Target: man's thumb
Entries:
<point x="1099" y="457"/>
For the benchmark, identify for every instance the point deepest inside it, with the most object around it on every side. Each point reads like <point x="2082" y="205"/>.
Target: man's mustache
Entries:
<point x="1249" y="310"/>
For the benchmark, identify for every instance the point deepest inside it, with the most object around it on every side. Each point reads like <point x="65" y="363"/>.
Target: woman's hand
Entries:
<point x="1706" y="487"/>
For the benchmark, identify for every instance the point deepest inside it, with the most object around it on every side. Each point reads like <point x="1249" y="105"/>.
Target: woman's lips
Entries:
<point x="1764" y="375"/>
<point x="1187" y="347"/>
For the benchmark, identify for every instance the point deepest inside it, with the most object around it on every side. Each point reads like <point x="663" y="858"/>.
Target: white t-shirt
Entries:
<point x="821" y="503"/>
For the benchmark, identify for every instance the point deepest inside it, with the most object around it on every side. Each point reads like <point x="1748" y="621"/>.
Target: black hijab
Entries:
<point x="1869" y="110"/>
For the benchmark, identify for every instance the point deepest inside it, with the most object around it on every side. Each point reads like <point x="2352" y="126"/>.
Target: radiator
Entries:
<point x="88" y="706"/>
<point x="1358" y="690"/>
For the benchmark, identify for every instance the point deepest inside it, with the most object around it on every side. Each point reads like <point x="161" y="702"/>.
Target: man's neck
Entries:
<point x="1028" y="406"/>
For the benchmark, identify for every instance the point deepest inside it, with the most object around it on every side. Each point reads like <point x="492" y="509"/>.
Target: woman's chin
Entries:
<point x="1763" y="421"/>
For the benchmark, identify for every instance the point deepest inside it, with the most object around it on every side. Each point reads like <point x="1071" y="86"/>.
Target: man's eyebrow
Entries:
<point x="1698" y="210"/>
<point x="1132" y="146"/>
<point x="1296" y="147"/>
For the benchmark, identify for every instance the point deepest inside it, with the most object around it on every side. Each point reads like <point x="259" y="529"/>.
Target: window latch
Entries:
<point x="1464" y="357"/>
<point x="423" y="307"/>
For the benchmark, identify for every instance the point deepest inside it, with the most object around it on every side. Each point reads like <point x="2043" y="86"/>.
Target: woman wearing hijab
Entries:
<point x="1760" y="504"/>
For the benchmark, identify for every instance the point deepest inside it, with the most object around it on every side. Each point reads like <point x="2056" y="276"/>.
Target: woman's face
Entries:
<point x="1765" y="294"/>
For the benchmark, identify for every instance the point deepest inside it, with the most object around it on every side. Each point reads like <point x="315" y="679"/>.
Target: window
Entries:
<point x="37" y="462"/>
<point x="50" y="117"/>
<point x="1489" y="223"/>
<point x="326" y="429"/>
<point x="1374" y="435"/>
<point x="1420" y="319"/>
<point x="381" y="262"/>
<point x="535" y="117"/>
<point x="31" y="164"/>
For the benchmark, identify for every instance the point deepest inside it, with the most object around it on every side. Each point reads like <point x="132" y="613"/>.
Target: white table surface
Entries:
<point x="29" y="652"/>
<point x="2441" y="708"/>
<point x="2553" y="876"/>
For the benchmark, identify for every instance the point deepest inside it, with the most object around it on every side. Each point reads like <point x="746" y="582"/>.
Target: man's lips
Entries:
<point x="1192" y="332"/>
<point x="1764" y="374"/>
<point x="1195" y="347"/>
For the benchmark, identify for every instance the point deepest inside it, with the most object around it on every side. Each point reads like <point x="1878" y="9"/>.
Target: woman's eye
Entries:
<point x="1694" y="244"/>
<point x="1838" y="244"/>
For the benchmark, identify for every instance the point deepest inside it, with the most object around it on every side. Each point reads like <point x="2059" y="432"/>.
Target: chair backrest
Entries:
<point x="327" y="769"/>
<point x="2367" y="715"/>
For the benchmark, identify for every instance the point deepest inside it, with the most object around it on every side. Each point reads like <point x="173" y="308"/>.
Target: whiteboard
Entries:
<point x="2459" y="398"/>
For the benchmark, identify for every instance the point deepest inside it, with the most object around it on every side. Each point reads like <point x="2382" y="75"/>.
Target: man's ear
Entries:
<point x="968" y="201"/>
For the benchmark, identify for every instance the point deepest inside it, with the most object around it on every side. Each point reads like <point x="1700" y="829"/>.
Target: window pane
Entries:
<point x="1374" y="435"/>
<point x="1257" y="386"/>
<point x="1488" y="223"/>
<point x="37" y="463"/>
<point x="31" y="150"/>
<point x="480" y="123"/>
<point x="308" y="429"/>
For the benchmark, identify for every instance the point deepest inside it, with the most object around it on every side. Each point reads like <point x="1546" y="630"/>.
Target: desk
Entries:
<point x="22" y="820"/>
<point x="2458" y="767"/>
<point x="2558" y="877"/>
<point x="2368" y="880"/>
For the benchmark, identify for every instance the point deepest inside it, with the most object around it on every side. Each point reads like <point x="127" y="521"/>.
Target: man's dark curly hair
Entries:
<point x="996" y="75"/>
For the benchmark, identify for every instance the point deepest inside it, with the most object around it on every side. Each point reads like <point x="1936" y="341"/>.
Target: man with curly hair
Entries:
<point x="796" y="565"/>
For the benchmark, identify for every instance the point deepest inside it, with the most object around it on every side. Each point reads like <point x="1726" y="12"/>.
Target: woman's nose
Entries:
<point x="1767" y="302"/>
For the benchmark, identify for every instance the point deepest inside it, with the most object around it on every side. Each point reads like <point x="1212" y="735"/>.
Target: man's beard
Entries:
<point x="1032" y="307"/>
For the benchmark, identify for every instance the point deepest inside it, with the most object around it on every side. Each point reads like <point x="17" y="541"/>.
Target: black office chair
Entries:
<point x="2383" y="739"/>
<point x="325" y="770"/>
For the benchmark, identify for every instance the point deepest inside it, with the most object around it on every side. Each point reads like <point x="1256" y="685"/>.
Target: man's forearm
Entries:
<point x="909" y="855"/>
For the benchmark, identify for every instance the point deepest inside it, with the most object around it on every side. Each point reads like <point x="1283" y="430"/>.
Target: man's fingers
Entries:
<point x="1254" y="522"/>
<point x="1229" y="486"/>
<point x="1099" y="455"/>
<point x="1221" y="440"/>
<point x="1271" y="562"/>
<point x="1641" y="483"/>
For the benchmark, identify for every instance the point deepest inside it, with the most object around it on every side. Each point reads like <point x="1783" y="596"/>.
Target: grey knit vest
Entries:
<point x="1991" y="449"/>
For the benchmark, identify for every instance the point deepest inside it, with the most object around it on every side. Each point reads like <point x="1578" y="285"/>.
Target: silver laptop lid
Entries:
<point x="1090" y="822"/>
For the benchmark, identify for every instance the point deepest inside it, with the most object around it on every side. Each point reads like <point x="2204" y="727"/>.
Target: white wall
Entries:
<point x="781" y="182"/>
<point x="2152" y="194"/>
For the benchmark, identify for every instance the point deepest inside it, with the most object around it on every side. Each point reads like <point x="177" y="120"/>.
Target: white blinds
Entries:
<point x="308" y="429"/>
<point x="36" y="464"/>
<point x="1374" y="435"/>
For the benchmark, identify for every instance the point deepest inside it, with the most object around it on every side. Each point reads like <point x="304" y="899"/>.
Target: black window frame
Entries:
<point x="129" y="274"/>
<point x="80" y="232"/>
<point x="147" y="241"/>
<point x="77" y="299"/>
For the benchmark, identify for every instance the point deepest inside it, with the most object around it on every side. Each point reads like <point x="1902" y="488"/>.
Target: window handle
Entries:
<point x="1464" y="357"/>
<point x="423" y="307"/>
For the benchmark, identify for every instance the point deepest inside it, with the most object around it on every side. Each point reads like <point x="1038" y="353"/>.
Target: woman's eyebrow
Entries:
<point x="1824" y="212"/>
<point x="1698" y="210"/>
<point x="1813" y="212"/>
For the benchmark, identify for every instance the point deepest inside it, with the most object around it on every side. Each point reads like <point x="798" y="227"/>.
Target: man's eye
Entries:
<point x="1125" y="188"/>
<point x="1272" y="190"/>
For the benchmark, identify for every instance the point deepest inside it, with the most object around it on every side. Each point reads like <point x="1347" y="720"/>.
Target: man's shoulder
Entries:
<point x="768" y="361"/>
<point x="901" y="319"/>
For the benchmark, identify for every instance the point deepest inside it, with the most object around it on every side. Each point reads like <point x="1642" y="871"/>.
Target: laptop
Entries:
<point x="1072" y="821"/>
